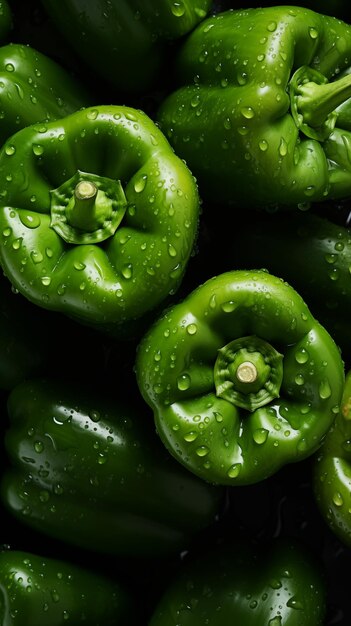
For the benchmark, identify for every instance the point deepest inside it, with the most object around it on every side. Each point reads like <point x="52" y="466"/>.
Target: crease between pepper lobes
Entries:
<point x="187" y="370"/>
<point x="257" y="100"/>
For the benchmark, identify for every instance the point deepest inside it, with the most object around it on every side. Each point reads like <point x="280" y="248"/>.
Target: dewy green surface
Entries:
<point x="133" y="254"/>
<point x="290" y="404"/>
<point x="256" y="100"/>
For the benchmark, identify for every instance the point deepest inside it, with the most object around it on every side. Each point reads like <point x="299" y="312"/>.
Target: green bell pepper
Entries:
<point x="306" y="249"/>
<point x="242" y="379"/>
<point x="42" y="591"/>
<point x="279" y="584"/>
<point x="98" y="216"/>
<point x="126" y="43"/>
<point x="34" y="88"/>
<point x="5" y="19"/>
<point x="91" y="472"/>
<point x="332" y="472"/>
<point x="257" y="103"/>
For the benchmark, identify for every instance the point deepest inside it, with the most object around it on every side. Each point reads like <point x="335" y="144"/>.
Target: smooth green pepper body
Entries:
<point x="332" y="472"/>
<point x="257" y="101"/>
<point x="38" y="591"/>
<point x="241" y="377"/>
<point x="91" y="472"/>
<point x="34" y="88"/>
<point x="126" y="42"/>
<point x="279" y="584"/>
<point x="105" y="223"/>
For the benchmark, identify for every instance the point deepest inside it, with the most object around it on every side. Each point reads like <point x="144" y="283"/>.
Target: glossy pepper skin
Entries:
<point x="38" y="591"/>
<point x="241" y="378"/>
<point x="257" y="101"/>
<point x="105" y="34"/>
<point x="332" y="472"/>
<point x="278" y="584"/>
<point x="106" y="222"/>
<point x="308" y="250"/>
<point x="91" y="472"/>
<point x="34" y="88"/>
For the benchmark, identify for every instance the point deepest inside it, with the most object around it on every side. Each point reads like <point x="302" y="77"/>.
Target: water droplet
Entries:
<point x="294" y="603"/>
<point x="263" y="145"/>
<point x="171" y="250"/>
<point x="16" y="244"/>
<point x="78" y="265"/>
<point x="309" y="190"/>
<point x="30" y="220"/>
<point x="272" y="26"/>
<point x="228" y="307"/>
<point x="10" y="150"/>
<point x="178" y="9"/>
<point x="234" y="470"/>
<point x="44" y="496"/>
<point x="247" y="112"/>
<point x="37" y="149"/>
<point x="274" y="583"/>
<point x="127" y="271"/>
<point x="283" y="147"/>
<point x="58" y="489"/>
<point x="331" y="258"/>
<point x="131" y="116"/>
<point x="94" y="416"/>
<point x="92" y="114"/>
<point x="260" y="435"/>
<point x="302" y="445"/>
<point x="38" y="446"/>
<point x="140" y="184"/>
<point x="275" y="621"/>
<point x="191" y="436"/>
<point x="324" y="389"/>
<point x="202" y="451"/>
<point x="191" y="329"/>
<point x="242" y="78"/>
<point x="55" y="596"/>
<point x="313" y="33"/>
<point x="338" y="499"/>
<point x="7" y="232"/>
<point x="10" y="67"/>
<point x="45" y="280"/>
<point x="183" y="382"/>
<point x="36" y="256"/>
<point x="301" y="355"/>
<point x="299" y="379"/>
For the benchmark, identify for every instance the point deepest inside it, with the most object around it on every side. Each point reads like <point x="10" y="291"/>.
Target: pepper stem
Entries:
<point x="83" y="209"/>
<point x="315" y="102"/>
<point x="247" y="372"/>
